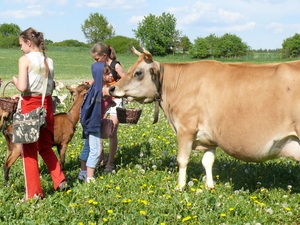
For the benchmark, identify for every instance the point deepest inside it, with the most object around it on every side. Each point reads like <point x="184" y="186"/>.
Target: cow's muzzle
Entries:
<point x="111" y="90"/>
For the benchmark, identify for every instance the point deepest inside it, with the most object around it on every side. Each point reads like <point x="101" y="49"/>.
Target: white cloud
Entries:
<point x="15" y="14"/>
<point x="21" y="2"/>
<point x="262" y="23"/>
<point x="280" y="28"/>
<point x="228" y="16"/>
<point x="232" y="29"/>
<point x="108" y="4"/>
<point x="276" y="27"/>
<point x="191" y="13"/>
<point x="136" y="19"/>
<point x="31" y="11"/>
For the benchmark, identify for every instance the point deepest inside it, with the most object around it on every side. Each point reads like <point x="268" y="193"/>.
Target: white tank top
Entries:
<point x="36" y="74"/>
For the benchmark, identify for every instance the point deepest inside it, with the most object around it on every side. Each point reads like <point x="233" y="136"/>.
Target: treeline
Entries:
<point x="170" y="40"/>
<point x="227" y="46"/>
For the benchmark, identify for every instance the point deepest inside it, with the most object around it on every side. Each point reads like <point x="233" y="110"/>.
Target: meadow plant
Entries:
<point x="142" y="190"/>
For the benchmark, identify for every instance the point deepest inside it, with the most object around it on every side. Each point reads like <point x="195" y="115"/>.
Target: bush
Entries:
<point x="122" y="44"/>
<point x="228" y="45"/>
<point x="9" y="41"/>
<point x="291" y="46"/>
<point x="70" y="43"/>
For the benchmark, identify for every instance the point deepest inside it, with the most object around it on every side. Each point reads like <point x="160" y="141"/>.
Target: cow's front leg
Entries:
<point x="208" y="162"/>
<point x="184" y="151"/>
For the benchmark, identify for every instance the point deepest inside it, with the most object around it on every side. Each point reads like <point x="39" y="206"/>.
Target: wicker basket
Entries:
<point x="7" y="104"/>
<point x="128" y="115"/>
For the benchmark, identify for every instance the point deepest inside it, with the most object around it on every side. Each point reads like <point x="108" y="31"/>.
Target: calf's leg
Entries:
<point x="62" y="153"/>
<point x="12" y="156"/>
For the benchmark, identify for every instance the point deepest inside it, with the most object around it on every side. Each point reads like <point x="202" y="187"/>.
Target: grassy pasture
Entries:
<point x="142" y="189"/>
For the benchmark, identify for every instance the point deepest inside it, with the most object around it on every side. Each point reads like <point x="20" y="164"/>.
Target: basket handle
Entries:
<point x="10" y="82"/>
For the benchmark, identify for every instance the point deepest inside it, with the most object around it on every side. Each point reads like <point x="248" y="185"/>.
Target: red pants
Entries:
<point x="44" y="147"/>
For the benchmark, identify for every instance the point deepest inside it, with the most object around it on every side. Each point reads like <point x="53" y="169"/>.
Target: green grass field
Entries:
<point x="142" y="189"/>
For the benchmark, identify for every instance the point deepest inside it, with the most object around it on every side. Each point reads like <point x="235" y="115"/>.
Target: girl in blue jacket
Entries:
<point x="91" y="122"/>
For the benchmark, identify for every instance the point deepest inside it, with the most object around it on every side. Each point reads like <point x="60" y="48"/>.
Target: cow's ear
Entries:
<point x="154" y="72"/>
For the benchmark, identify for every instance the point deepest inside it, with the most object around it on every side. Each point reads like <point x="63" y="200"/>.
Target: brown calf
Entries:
<point x="64" y="128"/>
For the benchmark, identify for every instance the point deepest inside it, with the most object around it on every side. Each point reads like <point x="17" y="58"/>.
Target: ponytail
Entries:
<point x="38" y="39"/>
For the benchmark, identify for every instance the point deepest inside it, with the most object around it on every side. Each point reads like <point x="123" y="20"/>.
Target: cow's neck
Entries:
<point x="157" y="98"/>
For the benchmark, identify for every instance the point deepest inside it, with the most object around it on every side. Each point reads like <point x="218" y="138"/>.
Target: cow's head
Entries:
<point x="141" y="83"/>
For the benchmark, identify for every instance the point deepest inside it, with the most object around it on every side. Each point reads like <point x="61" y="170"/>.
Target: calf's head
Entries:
<point x="141" y="83"/>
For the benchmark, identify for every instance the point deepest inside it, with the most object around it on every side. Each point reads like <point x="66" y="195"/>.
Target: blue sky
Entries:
<point x="260" y="23"/>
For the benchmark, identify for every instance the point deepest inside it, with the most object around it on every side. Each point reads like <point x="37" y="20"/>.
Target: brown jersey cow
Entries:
<point x="252" y="112"/>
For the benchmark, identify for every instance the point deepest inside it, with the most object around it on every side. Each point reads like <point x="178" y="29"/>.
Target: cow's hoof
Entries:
<point x="209" y="185"/>
<point x="179" y="188"/>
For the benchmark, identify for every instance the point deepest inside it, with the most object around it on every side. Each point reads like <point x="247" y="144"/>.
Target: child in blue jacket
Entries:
<point x="91" y="123"/>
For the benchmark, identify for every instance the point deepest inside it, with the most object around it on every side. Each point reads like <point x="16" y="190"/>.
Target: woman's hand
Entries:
<point x="15" y="96"/>
<point x="14" y="80"/>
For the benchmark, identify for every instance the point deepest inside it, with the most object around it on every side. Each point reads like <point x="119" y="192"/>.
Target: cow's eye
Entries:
<point x="138" y="73"/>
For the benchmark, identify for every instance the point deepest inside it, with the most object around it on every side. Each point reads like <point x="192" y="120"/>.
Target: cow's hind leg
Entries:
<point x="208" y="162"/>
<point x="290" y="148"/>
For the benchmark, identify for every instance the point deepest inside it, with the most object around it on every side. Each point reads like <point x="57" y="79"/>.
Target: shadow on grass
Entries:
<point x="277" y="173"/>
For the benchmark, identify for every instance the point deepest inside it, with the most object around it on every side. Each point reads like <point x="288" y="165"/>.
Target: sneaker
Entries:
<point x="63" y="186"/>
<point x="82" y="176"/>
<point x="90" y="180"/>
<point x="109" y="168"/>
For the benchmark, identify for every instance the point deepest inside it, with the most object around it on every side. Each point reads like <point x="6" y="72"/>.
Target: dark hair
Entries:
<point x="38" y="39"/>
<point x="101" y="48"/>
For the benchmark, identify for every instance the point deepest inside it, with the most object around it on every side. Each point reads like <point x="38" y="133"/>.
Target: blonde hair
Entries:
<point x="38" y="39"/>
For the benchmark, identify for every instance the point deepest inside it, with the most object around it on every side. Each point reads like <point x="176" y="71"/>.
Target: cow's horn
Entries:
<point x="146" y="51"/>
<point x="135" y="51"/>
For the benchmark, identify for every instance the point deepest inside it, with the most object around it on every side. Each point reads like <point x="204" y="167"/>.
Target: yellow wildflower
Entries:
<point x="142" y="212"/>
<point x="186" y="218"/>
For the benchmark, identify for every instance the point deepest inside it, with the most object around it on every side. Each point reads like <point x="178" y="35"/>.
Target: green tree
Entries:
<point x="97" y="28"/>
<point x="291" y="46"/>
<point x="185" y="44"/>
<point x="201" y="48"/>
<point x="214" y="43"/>
<point x="11" y="29"/>
<point x="158" y="33"/>
<point x="231" y="45"/>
